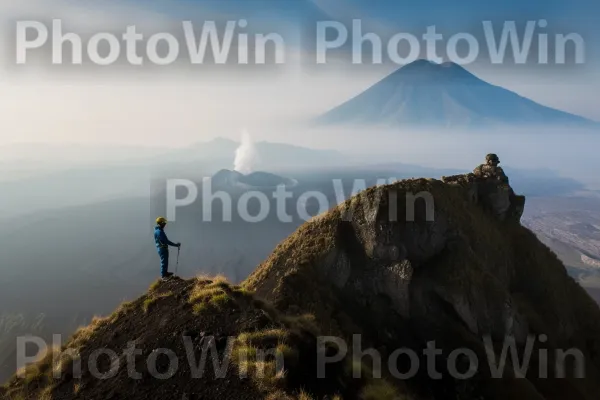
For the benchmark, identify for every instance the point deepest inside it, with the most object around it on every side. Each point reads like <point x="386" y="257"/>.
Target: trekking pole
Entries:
<point x="177" y="264"/>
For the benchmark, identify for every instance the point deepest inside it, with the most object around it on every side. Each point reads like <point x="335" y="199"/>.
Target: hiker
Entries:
<point x="491" y="169"/>
<point x="162" y="245"/>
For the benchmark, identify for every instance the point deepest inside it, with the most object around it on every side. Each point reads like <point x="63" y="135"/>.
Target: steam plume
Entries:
<point x="245" y="155"/>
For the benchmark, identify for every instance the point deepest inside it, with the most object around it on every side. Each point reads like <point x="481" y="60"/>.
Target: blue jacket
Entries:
<point x="161" y="240"/>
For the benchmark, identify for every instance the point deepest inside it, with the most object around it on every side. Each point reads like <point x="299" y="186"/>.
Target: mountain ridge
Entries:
<point x="467" y="271"/>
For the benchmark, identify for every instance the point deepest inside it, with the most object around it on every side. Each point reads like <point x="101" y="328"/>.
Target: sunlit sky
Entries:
<point x="171" y="106"/>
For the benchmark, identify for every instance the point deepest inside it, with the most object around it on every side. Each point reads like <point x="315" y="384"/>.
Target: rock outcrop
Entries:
<point x="496" y="197"/>
<point x="445" y="261"/>
<point x="489" y="186"/>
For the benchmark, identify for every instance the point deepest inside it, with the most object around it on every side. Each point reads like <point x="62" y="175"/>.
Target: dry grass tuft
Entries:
<point x="154" y="285"/>
<point x="265" y="336"/>
<point x="263" y="355"/>
<point x="124" y="309"/>
<point x="208" y="293"/>
<point x="380" y="389"/>
<point x="151" y="300"/>
<point x="304" y="396"/>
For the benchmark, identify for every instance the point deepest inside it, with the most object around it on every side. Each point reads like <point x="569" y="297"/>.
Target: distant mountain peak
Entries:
<point x="228" y="179"/>
<point x="425" y="93"/>
<point x="423" y="63"/>
<point x="429" y="72"/>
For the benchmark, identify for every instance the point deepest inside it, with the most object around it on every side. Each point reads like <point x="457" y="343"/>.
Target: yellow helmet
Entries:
<point x="161" y="220"/>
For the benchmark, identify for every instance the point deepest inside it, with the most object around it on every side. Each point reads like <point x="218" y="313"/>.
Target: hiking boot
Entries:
<point x="167" y="276"/>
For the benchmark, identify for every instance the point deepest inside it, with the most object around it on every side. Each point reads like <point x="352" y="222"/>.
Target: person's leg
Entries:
<point x="164" y="262"/>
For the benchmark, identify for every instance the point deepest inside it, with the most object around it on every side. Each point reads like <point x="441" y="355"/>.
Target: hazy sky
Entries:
<point x="173" y="106"/>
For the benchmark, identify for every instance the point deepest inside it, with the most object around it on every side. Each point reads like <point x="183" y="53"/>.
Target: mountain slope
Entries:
<point x="424" y="93"/>
<point x="192" y="319"/>
<point x="452" y="278"/>
<point x="454" y="281"/>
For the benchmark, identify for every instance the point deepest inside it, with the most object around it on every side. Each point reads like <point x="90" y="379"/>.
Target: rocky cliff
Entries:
<point x="457" y="270"/>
